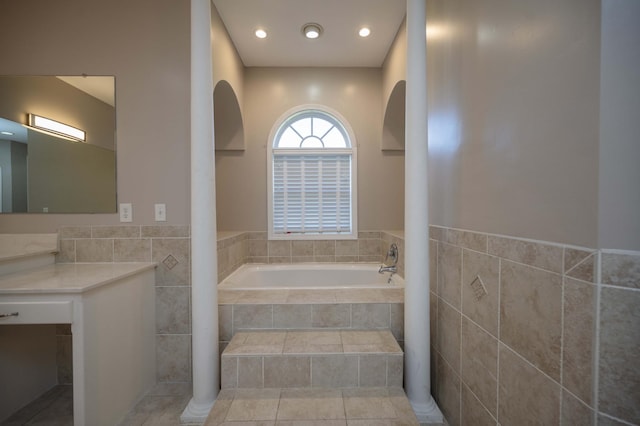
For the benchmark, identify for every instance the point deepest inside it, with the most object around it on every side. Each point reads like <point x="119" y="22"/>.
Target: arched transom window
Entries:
<point x="312" y="172"/>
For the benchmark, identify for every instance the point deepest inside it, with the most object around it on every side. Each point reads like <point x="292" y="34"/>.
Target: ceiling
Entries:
<point x="338" y="46"/>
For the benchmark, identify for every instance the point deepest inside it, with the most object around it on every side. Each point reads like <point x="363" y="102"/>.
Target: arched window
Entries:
<point x="312" y="176"/>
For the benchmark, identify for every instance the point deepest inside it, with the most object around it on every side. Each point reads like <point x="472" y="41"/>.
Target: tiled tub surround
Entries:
<point x="169" y="246"/>
<point x="339" y="309"/>
<point x="529" y="332"/>
<point x="305" y="359"/>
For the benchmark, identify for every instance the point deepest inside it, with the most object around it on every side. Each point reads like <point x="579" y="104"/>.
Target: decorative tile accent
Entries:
<point x="170" y="262"/>
<point x="478" y="288"/>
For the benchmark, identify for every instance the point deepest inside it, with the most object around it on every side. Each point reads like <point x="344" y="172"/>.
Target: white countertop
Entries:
<point x="17" y="246"/>
<point x="65" y="278"/>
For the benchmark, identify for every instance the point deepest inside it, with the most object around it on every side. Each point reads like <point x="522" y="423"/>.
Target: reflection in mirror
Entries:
<point x="44" y="172"/>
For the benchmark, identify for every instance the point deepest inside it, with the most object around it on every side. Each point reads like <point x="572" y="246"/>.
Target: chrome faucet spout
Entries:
<point x="393" y="269"/>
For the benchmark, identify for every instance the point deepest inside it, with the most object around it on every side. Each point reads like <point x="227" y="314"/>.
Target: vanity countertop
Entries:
<point x="68" y="278"/>
<point x="18" y="246"/>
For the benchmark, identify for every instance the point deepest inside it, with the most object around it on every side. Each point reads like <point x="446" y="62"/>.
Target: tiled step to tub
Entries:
<point x="312" y="358"/>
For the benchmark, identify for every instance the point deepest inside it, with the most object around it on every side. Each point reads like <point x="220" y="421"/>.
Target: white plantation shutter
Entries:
<point x="312" y="170"/>
<point x="312" y="193"/>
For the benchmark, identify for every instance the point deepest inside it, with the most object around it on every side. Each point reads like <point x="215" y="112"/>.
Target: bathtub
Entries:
<point x="309" y="276"/>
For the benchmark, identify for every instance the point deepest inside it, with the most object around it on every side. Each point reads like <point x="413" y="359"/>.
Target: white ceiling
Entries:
<point x="338" y="46"/>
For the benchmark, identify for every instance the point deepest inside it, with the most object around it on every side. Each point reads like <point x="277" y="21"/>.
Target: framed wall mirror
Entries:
<point x="45" y="169"/>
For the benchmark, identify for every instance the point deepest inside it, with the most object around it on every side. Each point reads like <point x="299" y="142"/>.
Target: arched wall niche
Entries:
<point x="228" y="125"/>
<point x="394" y="116"/>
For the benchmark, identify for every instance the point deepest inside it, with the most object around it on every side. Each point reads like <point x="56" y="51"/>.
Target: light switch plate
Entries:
<point x="126" y="212"/>
<point x="161" y="212"/>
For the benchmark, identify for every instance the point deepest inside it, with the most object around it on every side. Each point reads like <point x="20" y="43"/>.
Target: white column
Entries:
<point x="204" y="265"/>
<point x="416" y="299"/>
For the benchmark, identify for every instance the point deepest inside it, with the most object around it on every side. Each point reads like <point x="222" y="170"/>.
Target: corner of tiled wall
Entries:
<point x="514" y="331"/>
<point x="169" y="247"/>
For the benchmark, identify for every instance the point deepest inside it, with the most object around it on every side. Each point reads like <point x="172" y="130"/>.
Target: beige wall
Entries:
<point x="394" y="67"/>
<point x="145" y="45"/>
<point x="513" y="117"/>
<point x="268" y="93"/>
<point x="225" y="59"/>
<point x="619" y="226"/>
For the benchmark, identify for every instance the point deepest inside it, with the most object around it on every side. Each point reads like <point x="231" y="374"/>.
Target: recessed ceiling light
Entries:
<point x="311" y="30"/>
<point x="260" y="33"/>
<point x="364" y="32"/>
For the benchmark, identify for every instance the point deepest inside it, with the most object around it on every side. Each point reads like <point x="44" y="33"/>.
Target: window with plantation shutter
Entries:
<point x="312" y="178"/>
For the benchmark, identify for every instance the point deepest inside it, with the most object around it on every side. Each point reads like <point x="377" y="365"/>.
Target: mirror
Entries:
<point x="47" y="172"/>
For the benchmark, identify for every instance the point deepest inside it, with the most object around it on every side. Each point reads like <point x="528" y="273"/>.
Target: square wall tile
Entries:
<point x="578" y="338"/>
<point x="94" y="250"/>
<point x="334" y="371"/>
<point x="66" y="251"/>
<point x="525" y="395"/>
<point x="448" y="391"/>
<point x="467" y="239"/>
<point x="115" y="231"/>
<point x="530" y="314"/>
<point x="173" y="258"/>
<point x="480" y="364"/>
<point x="473" y="412"/>
<point x="172" y="310"/>
<point x="331" y="316"/>
<point x="173" y="354"/>
<point x="448" y="333"/>
<point x="287" y="372"/>
<point x="480" y="289"/>
<point x="621" y="270"/>
<point x="279" y="248"/>
<point x="324" y="248"/>
<point x="346" y="247"/>
<point x="619" y="375"/>
<point x="540" y="255"/>
<point x="370" y="315"/>
<point x="575" y="412"/>
<point x="449" y="273"/>
<point x="131" y="250"/>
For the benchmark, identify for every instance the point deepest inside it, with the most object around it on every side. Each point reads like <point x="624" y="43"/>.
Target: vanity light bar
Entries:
<point x="56" y="127"/>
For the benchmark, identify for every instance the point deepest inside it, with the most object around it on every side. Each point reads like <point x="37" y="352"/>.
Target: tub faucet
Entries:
<point x="393" y="255"/>
<point x="393" y="269"/>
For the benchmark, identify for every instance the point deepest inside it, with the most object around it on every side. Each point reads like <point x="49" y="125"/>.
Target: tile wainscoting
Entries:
<point x="521" y="329"/>
<point x="528" y="332"/>
<point x="169" y="246"/>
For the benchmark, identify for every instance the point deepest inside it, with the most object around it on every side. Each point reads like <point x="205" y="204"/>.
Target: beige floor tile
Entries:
<point x="253" y="404"/>
<point x="311" y="404"/>
<point x="266" y="338"/>
<point x="312" y="349"/>
<point x="311" y="423"/>
<point x="368" y="403"/>
<point x="221" y="407"/>
<point x="319" y="337"/>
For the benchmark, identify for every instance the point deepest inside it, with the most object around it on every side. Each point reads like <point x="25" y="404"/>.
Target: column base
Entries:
<point x="196" y="412"/>
<point x="427" y="412"/>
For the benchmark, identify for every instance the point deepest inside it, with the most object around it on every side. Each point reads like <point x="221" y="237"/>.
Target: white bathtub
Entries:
<point x="309" y="276"/>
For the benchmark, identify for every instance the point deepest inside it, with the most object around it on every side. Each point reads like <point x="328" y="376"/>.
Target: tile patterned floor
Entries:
<point x="312" y="407"/>
<point x="53" y="408"/>
<point x="164" y="404"/>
